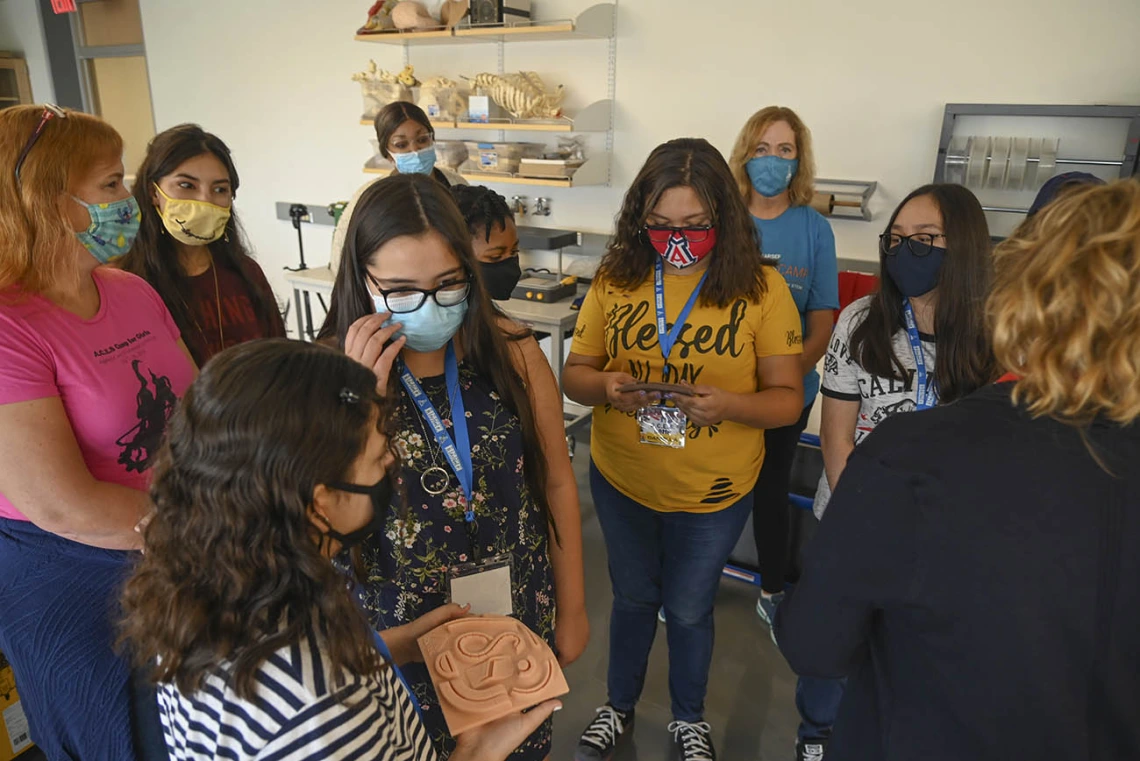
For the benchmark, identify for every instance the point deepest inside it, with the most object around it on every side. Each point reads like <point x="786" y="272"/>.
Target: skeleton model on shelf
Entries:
<point x="380" y="87"/>
<point x="440" y="98"/>
<point x="523" y="95"/>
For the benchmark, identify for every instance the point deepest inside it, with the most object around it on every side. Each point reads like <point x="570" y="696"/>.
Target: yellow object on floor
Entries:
<point x="14" y="736"/>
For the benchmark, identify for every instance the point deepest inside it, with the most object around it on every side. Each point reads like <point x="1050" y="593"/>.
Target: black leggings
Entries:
<point x="771" y="513"/>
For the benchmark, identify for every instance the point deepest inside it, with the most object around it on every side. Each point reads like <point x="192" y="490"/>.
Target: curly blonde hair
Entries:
<point x="802" y="189"/>
<point x="1065" y="308"/>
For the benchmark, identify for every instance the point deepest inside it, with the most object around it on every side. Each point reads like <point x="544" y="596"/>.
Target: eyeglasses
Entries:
<point x="51" y="111"/>
<point x="662" y="233"/>
<point x="920" y="245"/>
<point x="403" y="300"/>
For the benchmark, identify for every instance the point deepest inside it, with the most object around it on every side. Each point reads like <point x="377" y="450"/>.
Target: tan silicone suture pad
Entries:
<point x="487" y="667"/>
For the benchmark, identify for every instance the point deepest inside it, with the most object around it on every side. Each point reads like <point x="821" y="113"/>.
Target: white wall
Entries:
<point x="22" y="32"/>
<point x="870" y="78"/>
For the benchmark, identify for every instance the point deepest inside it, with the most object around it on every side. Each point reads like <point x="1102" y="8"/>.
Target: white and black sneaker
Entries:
<point x="694" y="740"/>
<point x="811" y="749"/>
<point x="604" y="733"/>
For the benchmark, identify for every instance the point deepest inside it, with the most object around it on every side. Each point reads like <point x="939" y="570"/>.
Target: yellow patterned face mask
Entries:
<point x="195" y="223"/>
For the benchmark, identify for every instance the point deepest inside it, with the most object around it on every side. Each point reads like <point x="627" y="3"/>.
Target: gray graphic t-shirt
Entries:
<point x="879" y="398"/>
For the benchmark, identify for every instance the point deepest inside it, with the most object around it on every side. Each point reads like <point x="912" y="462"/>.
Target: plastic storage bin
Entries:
<point x="500" y="158"/>
<point x="548" y="168"/>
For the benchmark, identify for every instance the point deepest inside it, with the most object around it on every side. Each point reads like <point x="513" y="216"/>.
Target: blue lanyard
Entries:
<point x="457" y="451"/>
<point x="387" y="655"/>
<point x="668" y="338"/>
<point x="925" y="396"/>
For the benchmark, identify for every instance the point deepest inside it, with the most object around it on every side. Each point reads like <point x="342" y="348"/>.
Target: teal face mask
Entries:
<point x="113" y="228"/>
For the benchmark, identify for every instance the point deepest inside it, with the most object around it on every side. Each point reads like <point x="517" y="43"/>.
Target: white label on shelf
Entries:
<point x="17" y="725"/>
<point x="433" y="110"/>
<point x="479" y="109"/>
<point x="488" y="160"/>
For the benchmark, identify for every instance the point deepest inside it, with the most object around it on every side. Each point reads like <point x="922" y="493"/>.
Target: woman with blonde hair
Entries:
<point x="774" y="168"/>
<point x="91" y="366"/>
<point x="978" y="566"/>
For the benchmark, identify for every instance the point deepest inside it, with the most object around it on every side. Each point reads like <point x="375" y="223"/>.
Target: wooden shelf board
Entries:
<point x="510" y="179"/>
<point x="437" y="123"/>
<point x="517" y="126"/>
<point x="481" y="177"/>
<point x="556" y="31"/>
<point x="430" y="37"/>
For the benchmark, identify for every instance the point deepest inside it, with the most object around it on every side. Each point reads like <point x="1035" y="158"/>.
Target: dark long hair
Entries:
<point x="964" y="357"/>
<point x="736" y="269"/>
<point x="154" y="255"/>
<point x="389" y="119"/>
<point x="233" y="570"/>
<point x="407" y="204"/>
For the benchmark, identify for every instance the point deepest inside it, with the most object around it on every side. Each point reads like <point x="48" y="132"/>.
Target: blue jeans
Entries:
<point x="663" y="559"/>
<point x="59" y="610"/>
<point x="818" y="700"/>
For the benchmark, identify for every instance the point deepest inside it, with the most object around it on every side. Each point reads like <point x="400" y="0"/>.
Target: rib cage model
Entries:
<point x="522" y="95"/>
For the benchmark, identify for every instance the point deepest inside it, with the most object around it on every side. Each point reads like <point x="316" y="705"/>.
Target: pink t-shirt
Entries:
<point x="119" y="374"/>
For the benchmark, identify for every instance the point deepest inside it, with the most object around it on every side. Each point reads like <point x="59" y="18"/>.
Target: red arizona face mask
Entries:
<point x="681" y="246"/>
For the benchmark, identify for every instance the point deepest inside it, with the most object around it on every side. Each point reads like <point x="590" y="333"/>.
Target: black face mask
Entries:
<point x="501" y="277"/>
<point x="381" y="493"/>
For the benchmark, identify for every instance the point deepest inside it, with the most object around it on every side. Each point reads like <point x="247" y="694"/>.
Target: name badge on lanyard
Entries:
<point x="926" y="394"/>
<point x="660" y="424"/>
<point x="485" y="584"/>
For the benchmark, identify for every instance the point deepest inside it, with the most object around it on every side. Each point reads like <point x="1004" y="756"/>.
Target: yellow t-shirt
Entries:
<point x="717" y="347"/>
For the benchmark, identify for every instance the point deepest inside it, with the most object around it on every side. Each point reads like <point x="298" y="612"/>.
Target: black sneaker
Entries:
<point x="811" y="749"/>
<point x="694" y="740"/>
<point x="604" y="733"/>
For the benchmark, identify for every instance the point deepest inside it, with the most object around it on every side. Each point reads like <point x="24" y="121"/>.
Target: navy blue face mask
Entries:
<point x="914" y="275"/>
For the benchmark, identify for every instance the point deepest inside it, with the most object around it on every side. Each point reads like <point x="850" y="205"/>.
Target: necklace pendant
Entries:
<point x="435" y="480"/>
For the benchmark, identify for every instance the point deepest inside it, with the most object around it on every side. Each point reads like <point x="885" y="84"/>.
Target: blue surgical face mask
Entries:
<point x="915" y="275"/>
<point x="416" y="162"/>
<point x="113" y="228"/>
<point x="771" y="175"/>
<point x="430" y="327"/>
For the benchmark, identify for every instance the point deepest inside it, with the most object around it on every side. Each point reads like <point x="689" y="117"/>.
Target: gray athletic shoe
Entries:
<point x="766" y="609"/>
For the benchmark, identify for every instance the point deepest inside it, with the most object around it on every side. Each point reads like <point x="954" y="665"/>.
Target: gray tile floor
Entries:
<point x="750" y="701"/>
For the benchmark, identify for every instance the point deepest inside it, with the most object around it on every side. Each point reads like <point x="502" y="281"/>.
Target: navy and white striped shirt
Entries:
<point x="299" y="713"/>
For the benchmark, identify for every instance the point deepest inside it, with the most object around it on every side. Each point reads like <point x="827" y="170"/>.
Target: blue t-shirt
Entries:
<point x="802" y="242"/>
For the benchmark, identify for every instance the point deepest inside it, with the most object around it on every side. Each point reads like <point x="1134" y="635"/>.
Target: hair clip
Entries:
<point x="348" y="396"/>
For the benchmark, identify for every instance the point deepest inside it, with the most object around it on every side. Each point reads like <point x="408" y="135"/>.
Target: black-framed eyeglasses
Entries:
<point x="662" y="233"/>
<point x="920" y="244"/>
<point x="405" y="299"/>
<point x="51" y="111"/>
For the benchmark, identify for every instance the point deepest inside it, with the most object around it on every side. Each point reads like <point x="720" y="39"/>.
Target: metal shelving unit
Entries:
<point x="596" y="22"/>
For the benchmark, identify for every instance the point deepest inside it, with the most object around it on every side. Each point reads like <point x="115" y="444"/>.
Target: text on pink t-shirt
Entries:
<point x="118" y="374"/>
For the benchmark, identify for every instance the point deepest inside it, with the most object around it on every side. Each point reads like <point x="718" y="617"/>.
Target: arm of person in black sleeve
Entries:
<point x="861" y="560"/>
